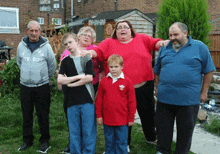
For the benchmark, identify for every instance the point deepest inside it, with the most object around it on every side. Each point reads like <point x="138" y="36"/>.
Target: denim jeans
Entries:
<point x="116" y="139"/>
<point x="82" y="128"/>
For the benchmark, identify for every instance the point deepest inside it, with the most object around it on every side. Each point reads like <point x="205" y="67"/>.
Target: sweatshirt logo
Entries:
<point x="121" y="87"/>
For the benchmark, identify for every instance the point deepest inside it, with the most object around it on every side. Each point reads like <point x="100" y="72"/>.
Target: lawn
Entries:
<point x="11" y="129"/>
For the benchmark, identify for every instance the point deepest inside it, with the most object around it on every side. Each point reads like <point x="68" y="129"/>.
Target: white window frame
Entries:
<point x="58" y="21"/>
<point x="56" y="0"/>
<point x="45" y="8"/>
<point x="44" y="1"/>
<point x="41" y="20"/>
<point x="56" y="5"/>
<point x="12" y="29"/>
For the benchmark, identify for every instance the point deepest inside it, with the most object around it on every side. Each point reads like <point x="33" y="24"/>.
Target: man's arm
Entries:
<point x="205" y="86"/>
<point x="86" y="79"/>
<point x="156" y="82"/>
<point x="51" y="62"/>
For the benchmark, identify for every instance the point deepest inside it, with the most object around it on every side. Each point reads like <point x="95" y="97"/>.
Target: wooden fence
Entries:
<point x="215" y="50"/>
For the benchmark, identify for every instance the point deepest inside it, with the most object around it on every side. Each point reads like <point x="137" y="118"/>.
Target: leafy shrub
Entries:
<point x="10" y="76"/>
<point x="214" y="127"/>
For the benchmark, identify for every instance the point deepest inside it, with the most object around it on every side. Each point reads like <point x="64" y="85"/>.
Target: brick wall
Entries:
<point x="28" y="9"/>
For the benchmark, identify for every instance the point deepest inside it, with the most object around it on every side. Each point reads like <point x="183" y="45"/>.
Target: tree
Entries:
<point x="191" y="12"/>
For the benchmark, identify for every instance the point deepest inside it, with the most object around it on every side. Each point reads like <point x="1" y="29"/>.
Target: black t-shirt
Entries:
<point x="74" y="66"/>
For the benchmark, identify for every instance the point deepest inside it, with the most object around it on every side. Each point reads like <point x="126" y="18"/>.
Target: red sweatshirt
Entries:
<point x="136" y="56"/>
<point x="116" y="102"/>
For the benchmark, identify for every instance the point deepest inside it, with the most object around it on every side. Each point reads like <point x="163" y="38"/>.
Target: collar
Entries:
<point x="116" y="79"/>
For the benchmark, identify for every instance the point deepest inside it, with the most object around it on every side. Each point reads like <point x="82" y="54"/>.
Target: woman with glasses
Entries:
<point x="86" y="37"/>
<point x="136" y="51"/>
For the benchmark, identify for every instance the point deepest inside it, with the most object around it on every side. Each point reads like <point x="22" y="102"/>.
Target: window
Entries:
<point x="9" y="22"/>
<point x="57" y="21"/>
<point x="41" y="21"/>
<point x="45" y="5"/>
<point x="56" y="5"/>
<point x="45" y="8"/>
<point x="55" y="0"/>
<point x="79" y="0"/>
<point x="44" y="1"/>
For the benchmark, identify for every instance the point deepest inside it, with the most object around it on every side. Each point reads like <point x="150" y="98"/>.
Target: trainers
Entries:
<point x="151" y="142"/>
<point x="24" y="146"/>
<point x="44" y="147"/>
<point x="66" y="149"/>
<point x="128" y="148"/>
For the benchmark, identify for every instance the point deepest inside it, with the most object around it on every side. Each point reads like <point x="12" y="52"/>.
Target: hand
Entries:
<point x="130" y="123"/>
<point x="84" y="52"/>
<point x="59" y="86"/>
<point x="203" y="96"/>
<point x="100" y="121"/>
<point x="163" y="43"/>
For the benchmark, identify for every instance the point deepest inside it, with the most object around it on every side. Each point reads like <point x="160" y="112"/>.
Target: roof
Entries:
<point x="113" y="15"/>
<point x="152" y="16"/>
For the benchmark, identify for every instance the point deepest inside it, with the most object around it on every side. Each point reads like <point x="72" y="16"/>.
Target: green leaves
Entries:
<point x="191" y="12"/>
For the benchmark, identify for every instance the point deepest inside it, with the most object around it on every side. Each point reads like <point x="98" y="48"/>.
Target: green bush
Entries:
<point x="214" y="127"/>
<point x="10" y="76"/>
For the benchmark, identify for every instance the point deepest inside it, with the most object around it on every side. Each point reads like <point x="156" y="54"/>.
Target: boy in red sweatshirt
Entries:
<point x="115" y="106"/>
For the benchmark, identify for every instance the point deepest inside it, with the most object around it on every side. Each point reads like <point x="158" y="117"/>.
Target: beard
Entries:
<point x="177" y="45"/>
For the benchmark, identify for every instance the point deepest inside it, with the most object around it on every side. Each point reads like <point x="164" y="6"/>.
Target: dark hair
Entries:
<point x="133" y="32"/>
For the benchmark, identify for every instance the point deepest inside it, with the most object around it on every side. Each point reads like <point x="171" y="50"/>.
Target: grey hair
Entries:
<point x="181" y="25"/>
<point x="33" y="22"/>
<point x="85" y="29"/>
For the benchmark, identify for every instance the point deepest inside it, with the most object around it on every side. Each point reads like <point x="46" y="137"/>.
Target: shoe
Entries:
<point x="158" y="152"/>
<point x="151" y="142"/>
<point x="44" y="147"/>
<point x="24" y="146"/>
<point x="128" y="148"/>
<point x="67" y="149"/>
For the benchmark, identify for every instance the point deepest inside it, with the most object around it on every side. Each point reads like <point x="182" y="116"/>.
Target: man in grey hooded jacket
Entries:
<point x="37" y="64"/>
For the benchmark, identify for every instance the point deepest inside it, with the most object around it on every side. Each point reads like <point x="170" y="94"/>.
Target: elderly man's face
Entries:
<point x="33" y="32"/>
<point x="177" y="37"/>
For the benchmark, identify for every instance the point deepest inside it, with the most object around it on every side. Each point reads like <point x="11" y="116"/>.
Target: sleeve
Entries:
<point x="158" y="62"/>
<point x="151" y="42"/>
<point x="18" y="57"/>
<point x="132" y="105"/>
<point x="207" y="63"/>
<point x="99" y="100"/>
<point x="51" y="61"/>
<point x="100" y="49"/>
<point x="62" y="67"/>
<point x="89" y="68"/>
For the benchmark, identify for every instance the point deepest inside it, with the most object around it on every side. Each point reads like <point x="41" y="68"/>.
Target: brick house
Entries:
<point x="15" y="14"/>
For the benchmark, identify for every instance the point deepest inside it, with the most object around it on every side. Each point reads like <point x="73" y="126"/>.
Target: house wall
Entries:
<point x="28" y="9"/>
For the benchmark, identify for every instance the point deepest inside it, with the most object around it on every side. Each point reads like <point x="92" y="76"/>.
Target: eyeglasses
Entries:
<point x="125" y="28"/>
<point x="86" y="35"/>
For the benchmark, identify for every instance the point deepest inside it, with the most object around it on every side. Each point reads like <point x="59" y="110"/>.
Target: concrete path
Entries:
<point x="203" y="142"/>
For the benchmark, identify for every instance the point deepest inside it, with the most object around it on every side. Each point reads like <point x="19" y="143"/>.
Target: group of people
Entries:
<point x="180" y="78"/>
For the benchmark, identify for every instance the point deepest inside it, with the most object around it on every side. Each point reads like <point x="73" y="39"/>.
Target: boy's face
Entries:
<point x="70" y="44"/>
<point x="115" y="69"/>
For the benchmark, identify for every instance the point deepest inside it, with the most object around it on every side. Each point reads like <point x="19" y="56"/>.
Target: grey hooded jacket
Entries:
<point x="37" y="67"/>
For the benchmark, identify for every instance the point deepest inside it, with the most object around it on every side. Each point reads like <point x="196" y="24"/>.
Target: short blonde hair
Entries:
<point x="66" y="35"/>
<point x="115" y="58"/>
<point x="87" y="29"/>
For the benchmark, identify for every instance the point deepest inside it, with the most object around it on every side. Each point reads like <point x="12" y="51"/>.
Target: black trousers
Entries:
<point x="38" y="97"/>
<point x="146" y="110"/>
<point x="185" y="119"/>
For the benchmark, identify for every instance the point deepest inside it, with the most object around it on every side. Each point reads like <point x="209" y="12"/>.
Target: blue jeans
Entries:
<point x="82" y="128"/>
<point x="116" y="138"/>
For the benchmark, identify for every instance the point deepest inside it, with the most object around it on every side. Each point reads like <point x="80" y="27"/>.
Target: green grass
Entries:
<point x="11" y="129"/>
<point x="214" y="127"/>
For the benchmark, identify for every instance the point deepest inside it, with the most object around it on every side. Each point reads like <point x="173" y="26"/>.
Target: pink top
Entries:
<point x="136" y="55"/>
<point x="95" y="63"/>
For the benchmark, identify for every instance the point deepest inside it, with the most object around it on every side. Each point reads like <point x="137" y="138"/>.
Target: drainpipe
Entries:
<point x="116" y="5"/>
<point x="64" y="15"/>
